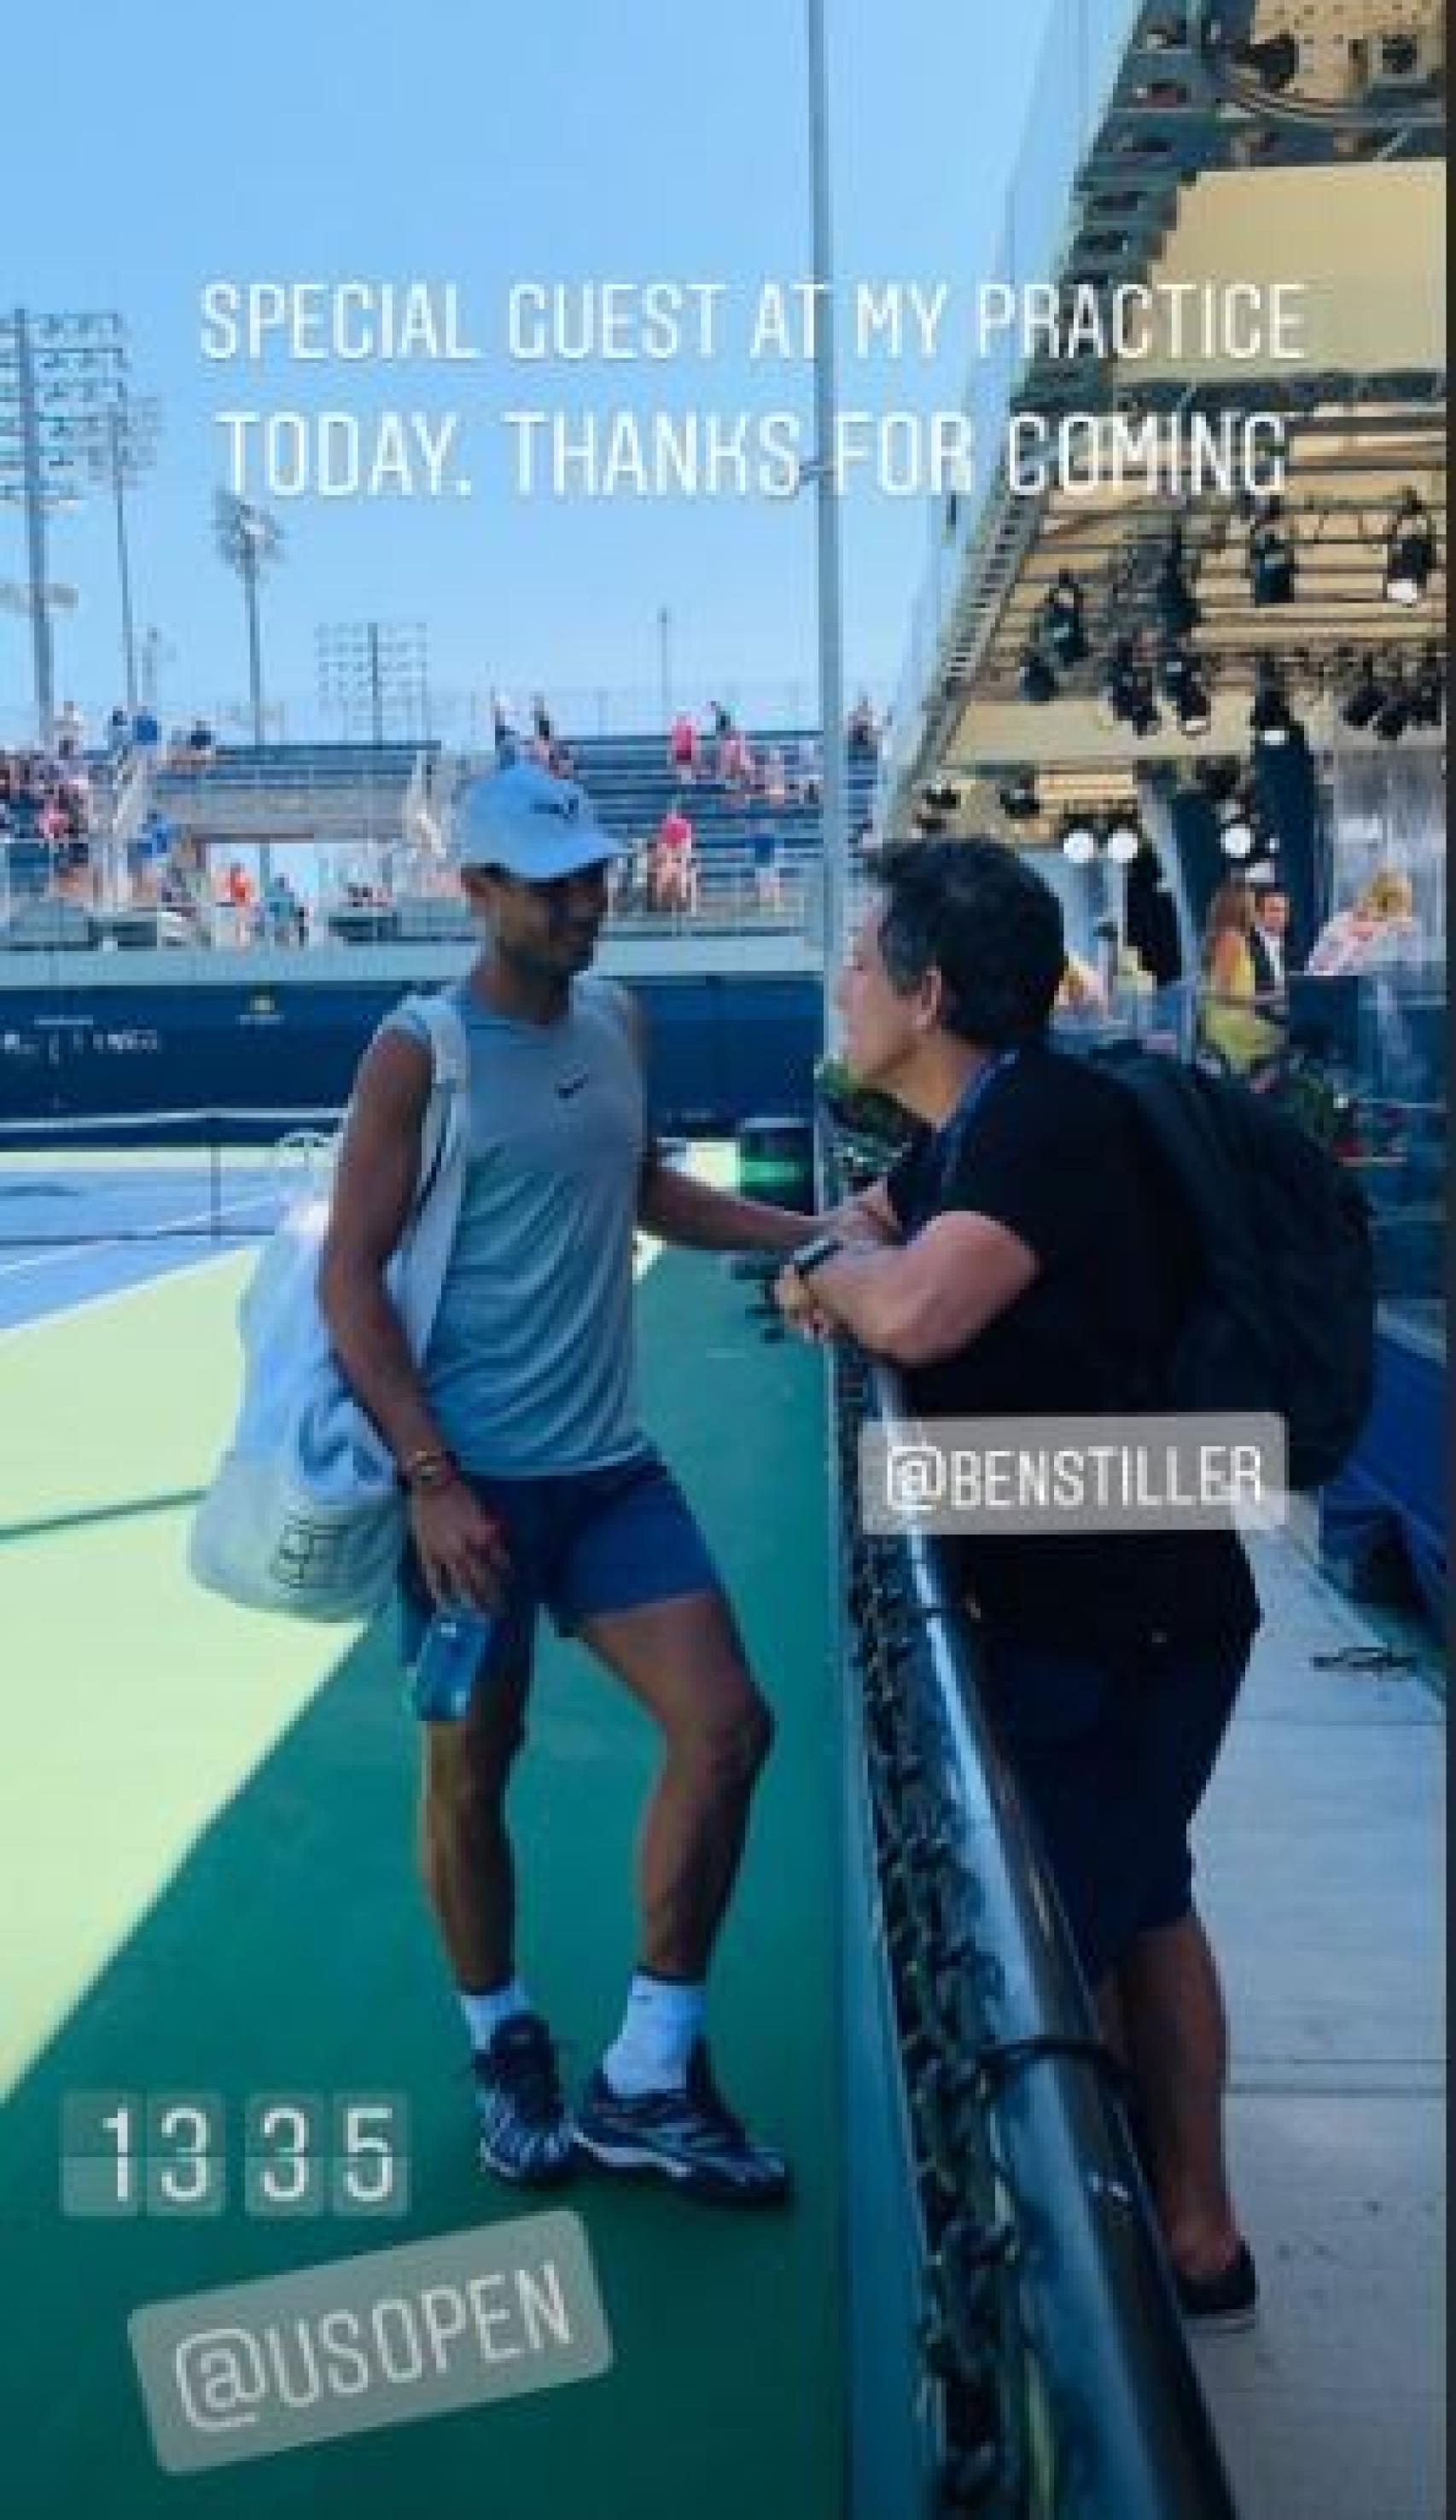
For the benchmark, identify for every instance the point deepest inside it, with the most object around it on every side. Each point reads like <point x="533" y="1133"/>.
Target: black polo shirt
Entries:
<point x="1054" y="1150"/>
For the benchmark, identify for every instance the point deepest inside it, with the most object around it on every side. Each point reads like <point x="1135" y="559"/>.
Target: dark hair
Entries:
<point x="975" y="912"/>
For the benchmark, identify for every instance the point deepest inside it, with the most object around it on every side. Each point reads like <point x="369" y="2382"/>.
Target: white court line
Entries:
<point x="62" y="1313"/>
<point x="56" y="1251"/>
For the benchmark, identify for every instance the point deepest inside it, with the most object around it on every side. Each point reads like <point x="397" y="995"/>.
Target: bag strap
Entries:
<point x="450" y="1056"/>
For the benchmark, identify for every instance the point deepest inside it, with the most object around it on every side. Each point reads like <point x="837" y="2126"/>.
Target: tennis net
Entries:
<point x="211" y="1177"/>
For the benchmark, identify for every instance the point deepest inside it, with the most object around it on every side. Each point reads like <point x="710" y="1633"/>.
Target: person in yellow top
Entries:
<point x="1229" y="1020"/>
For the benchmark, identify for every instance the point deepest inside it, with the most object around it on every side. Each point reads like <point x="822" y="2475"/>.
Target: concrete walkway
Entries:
<point x="1322" y="1865"/>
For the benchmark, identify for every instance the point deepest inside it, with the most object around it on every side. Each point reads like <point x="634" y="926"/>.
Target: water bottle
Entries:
<point x="451" y="1659"/>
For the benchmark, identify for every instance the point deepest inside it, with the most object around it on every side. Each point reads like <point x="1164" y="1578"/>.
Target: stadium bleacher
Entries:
<point x="359" y="801"/>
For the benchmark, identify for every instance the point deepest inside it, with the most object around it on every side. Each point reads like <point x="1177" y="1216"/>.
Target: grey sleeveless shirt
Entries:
<point x="530" y="1369"/>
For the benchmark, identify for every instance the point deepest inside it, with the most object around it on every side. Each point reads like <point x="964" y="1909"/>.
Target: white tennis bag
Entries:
<point x="305" y="1513"/>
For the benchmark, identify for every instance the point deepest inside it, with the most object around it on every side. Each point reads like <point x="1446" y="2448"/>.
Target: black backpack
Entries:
<point x="1281" y="1311"/>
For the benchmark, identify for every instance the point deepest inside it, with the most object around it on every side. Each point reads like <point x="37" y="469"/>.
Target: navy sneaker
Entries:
<point x="689" y="2136"/>
<point x="525" y="2133"/>
<point x="1226" y="2301"/>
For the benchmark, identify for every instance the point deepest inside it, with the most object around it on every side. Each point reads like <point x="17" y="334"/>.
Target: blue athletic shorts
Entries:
<point x="1113" y="1762"/>
<point x="580" y="1545"/>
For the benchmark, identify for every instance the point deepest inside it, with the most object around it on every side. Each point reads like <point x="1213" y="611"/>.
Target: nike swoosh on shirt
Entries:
<point x="573" y="1085"/>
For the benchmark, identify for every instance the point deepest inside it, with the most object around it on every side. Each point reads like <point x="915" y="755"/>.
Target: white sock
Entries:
<point x="484" y="2013"/>
<point x="662" y="2022"/>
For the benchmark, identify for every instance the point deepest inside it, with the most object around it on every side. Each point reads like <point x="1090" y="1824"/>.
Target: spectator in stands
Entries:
<point x="199" y="742"/>
<point x="861" y="730"/>
<point x="146" y="731"/>
<point x="70" y="732"/>
<point x="73" y="801"/>
<point x="674" y="875"/>
<point x="507" y="740"/>
<point x="776" y="782"/>
<point x="768" y="885"/>
<point x="173" y="890"/>
<point x="1378" y="931"/>
<point x="1010" y="1278"/>
<point x="118" y="734"/>
<point x="681" y="748"/>
<point x="1268" y="943"/>
<point x="632" y="879"/>
<point x="540" y="723"/>
<point x="1228" y="1019"/>
<point x="240" y="897"/>
<point x="735" y="764"/>
<point x="809" y="770"/>
<point x="282" y="912"/>
<point x="563" y="764"/>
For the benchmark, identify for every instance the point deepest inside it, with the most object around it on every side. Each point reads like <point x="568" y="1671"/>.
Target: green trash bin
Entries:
<point x="776" y="1162"/>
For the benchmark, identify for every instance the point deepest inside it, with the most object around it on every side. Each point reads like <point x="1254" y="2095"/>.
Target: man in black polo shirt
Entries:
<point x="1016" y="1263"/>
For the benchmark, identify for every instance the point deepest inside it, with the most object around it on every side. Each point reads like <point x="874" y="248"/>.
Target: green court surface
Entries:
<point x="208" y="1871"/>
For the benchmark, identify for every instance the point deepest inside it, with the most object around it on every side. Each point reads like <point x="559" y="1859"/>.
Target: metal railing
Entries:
<point x="1051" y="2376"/>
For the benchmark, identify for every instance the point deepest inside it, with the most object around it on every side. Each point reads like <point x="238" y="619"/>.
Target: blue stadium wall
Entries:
<point x="721" y="1050"/>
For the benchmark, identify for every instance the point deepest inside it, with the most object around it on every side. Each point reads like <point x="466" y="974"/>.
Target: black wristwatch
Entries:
<point x="812" y="1255"/>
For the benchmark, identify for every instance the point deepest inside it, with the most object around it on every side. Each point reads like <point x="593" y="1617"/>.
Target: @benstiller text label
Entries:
<point x="362" y="2342"/>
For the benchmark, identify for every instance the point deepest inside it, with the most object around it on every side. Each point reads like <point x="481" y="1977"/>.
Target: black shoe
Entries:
<point x="525" y="2133"/>
<point x="689" y="2137"/>
<point x="1226" y="2301"/>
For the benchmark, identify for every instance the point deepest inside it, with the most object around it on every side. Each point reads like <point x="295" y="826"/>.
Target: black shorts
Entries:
<point x="1113" y="1758"/>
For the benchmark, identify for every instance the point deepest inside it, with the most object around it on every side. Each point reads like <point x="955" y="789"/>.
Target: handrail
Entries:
<point x="1056" y="2364"/>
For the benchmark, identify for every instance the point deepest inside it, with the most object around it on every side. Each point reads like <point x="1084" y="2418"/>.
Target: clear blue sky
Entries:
<point x="443" y="141"/>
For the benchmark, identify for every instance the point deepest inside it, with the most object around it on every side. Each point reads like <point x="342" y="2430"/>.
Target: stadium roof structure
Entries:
<point x="1173" y="147"/>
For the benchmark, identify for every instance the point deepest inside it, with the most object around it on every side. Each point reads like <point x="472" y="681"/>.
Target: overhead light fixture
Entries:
<point x="1428" y="698"/>
<point x="1236" y="833"/>
<point x="1124" y="839"/>
<point x="1393" y="715"/>
<point x="1272" y="562"/>
<point x="1129" y="699"/>
<point x="1411" y="553"/>
<point x="1363" y="703"/>
<point x="1079" y="840"/>
<point x="1063" y="621"/>
<point x="1400" y="54"/>
<point x="1038" y="684"/>
<point x="1219" y="780"/>
<point x="1276" y="64"/>
<point x="1178" y="608"/>
<point x="1018" y="800"/>
<point x="1186" y="685"/>
<point x="1271" y="717"/>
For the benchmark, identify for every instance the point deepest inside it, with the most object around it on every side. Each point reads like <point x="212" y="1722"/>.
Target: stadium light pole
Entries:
<point x="249" y="540"/>
<point x="830" y="617"/>
<point x="56" y="372"/>
<point x="122" y="447"/>
<point x="383" y="665"/>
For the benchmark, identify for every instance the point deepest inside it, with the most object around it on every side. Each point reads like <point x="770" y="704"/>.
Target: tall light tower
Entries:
<point x="249" y="540"/>
<point x="120" y="447"/>
<point x="57" y="374"/>
<point x="373" y="668"/>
